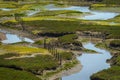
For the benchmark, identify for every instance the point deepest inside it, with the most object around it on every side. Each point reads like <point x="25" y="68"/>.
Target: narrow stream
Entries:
<point x="92" y="63"/>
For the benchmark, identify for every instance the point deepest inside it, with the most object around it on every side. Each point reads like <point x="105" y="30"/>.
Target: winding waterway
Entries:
<point x="92" y="63"/>
<point x="91" y="15"/>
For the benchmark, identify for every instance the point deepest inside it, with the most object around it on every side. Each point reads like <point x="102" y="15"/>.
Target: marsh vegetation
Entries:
<point x="46" y="35"/>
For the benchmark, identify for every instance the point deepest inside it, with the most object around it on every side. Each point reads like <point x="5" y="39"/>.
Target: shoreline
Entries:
<point x="77" y="67"/>
<point x="68" y="72"/>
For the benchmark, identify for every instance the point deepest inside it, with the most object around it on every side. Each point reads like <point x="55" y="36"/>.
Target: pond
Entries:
<point x="13" y="38"/>
<point x="90" y="14"/>
<point x="92" y="63"/>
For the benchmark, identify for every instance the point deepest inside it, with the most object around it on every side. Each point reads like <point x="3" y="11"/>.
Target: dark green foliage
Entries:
<point x="66" y="55"/>
<point x="39" y="42"/>
<point x="11" y="74"/>
<point x="112" y="73"/>
<point x="23" y="42"/>
<point x="115" y="43"/>
<point x="68" y="38"/>
<point x="56" y="26"/>
<point x="111" y="1"/>
<point x="77" y="43"/>
<point x="115" y="60"/>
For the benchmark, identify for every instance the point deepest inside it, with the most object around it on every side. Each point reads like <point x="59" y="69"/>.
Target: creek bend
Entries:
<point x="92" y="63"/>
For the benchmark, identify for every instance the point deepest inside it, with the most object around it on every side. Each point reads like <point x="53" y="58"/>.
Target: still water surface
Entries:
<point x="13" y="38"/>
<point x="92" y="63"/>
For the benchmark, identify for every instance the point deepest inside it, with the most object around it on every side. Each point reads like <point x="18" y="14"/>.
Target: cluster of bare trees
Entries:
<point x="51" y="48"/>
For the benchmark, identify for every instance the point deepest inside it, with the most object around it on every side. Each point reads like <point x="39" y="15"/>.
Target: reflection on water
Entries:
<point x="92" y="63"/>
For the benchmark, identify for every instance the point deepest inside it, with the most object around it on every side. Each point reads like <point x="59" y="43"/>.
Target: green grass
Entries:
<point x="105" y="8"/>
<point x="58" y="26"/>
<point x="11" y="74"/>
<point x="112" y="73"/>
<point x="89" y="51"/>
<point x="57" y="12"/>
<point x="68" y="38"/>
<point x="101" y="45"/>
<point x="70" y="64"/>
<point x="22" y="49"/>
<point x="67" y="55"/>
<point x="32" y="64"/>
<point x="39" y="42"/>
<point x="109" y="2"/>
<point x="116" y="19"/>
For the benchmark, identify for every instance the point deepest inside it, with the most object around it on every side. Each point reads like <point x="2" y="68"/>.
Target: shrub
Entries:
<point x="68" y="38"/>
<point x="115" y="43"/>
<point x="67" y="55"/>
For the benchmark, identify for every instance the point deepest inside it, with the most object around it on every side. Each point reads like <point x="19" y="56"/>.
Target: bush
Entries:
<point x="68" y="38"/>
<point x="39" y="42"/>
<point x="67" y="55"/>
<point x="115" y="43"/>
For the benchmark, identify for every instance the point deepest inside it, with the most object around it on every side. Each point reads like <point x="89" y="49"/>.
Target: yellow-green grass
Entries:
<point x="8" y="5"/>
<point x="41" y="18"/>
<point x="115" y="19"/>
<point x="103" y="5"/>
<point x="22" y="49"/>
<point x="57" y="12"/>
<point x="98" y="5"/>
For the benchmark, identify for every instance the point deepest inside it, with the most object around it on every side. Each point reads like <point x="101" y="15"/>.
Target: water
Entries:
<point x="13" y="38"/>
<point x="93" y="15"/>
<point x="30" y="13"/>
<point x="76" y="8"/>
<point x="100" y="15"/>
<point x="92" y="63"/>
<point x="6" y="9"/>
